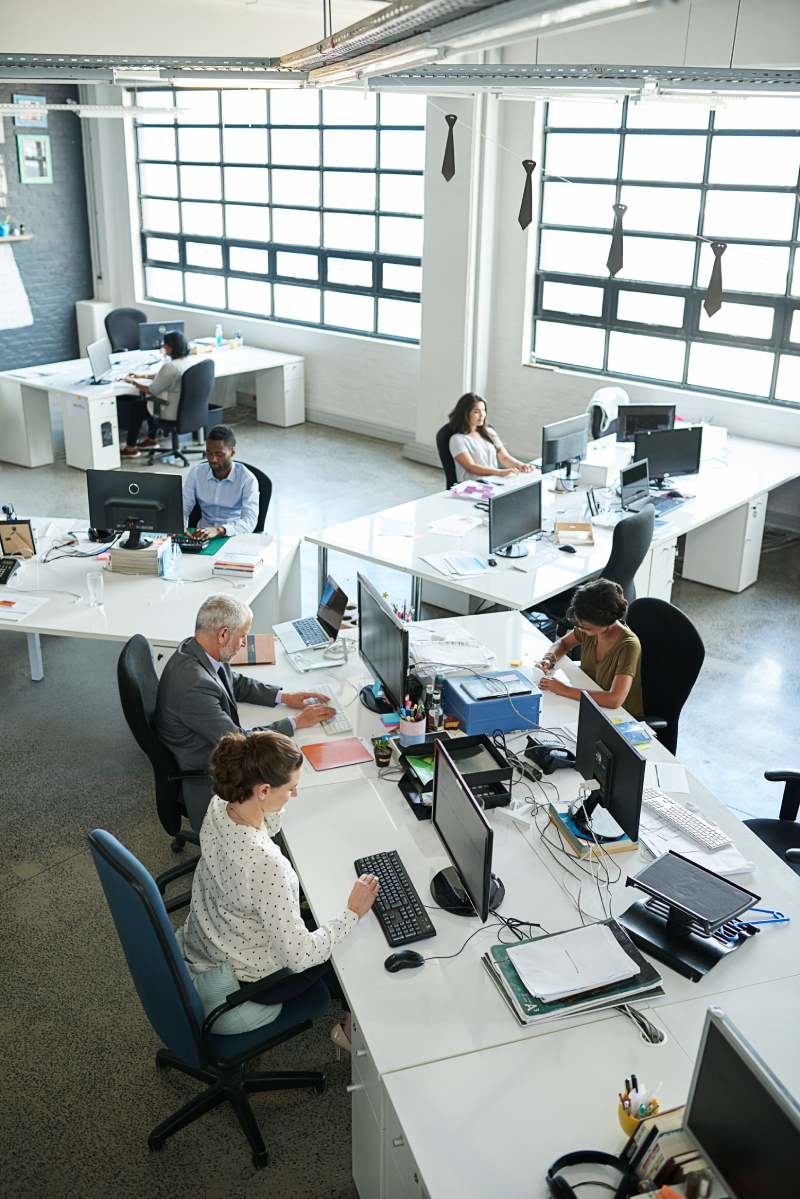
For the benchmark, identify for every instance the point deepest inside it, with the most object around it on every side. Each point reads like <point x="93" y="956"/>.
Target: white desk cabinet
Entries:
<point x="654" y="577"/>
<point x="726" y="552"/>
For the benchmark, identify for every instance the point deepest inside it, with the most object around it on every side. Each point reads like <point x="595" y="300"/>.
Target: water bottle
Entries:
<point x="218" y="334"/>
<point x="237" y="337"/>
<point x="171" y="560"/>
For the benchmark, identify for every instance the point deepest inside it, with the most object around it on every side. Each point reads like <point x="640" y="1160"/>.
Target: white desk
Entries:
<point x="444" y="1021"/>
<point x="161" y="609"/>
<point x="91" y="436"/>
<point x="723" y="522"/>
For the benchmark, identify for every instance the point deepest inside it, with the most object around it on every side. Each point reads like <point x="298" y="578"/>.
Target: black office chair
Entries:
<point x="197" y="385"/>
<point x="672" y="655"/>
<point x="445" y="457"/>
<point x="172" y="1005"/>
<point x="597" y="420"/>
<point x="264" y="497"/>
<point x="138" y="687"/>
<point x="629" y="545"/>
<point x="782" y="835"/>
<point x="122" y="328"/>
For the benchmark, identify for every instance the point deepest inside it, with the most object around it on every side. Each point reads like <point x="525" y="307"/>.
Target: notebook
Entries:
<point x="328" y="755"/>
<point x="259" y="651"/>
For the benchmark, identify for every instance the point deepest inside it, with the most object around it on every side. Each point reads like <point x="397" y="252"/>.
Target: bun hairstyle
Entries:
<point x="599" y="602"/>
<point x="240" y="762"/>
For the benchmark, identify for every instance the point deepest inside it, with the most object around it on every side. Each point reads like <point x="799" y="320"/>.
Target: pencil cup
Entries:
<point x="627" y="1122"/>
<point x="412" y="732"/>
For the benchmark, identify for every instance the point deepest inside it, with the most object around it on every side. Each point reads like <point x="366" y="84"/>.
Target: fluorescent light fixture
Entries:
<point x="31" y="111"/>
<point x="136" y="74"/>
<point x="551" y="18"/>
<point x="379" y="63"/>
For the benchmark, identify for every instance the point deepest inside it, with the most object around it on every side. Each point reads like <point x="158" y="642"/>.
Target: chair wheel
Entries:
<point x="155" y="1143"/>
<point x="261" y="1159"/>
<point x="320" y="1087"/>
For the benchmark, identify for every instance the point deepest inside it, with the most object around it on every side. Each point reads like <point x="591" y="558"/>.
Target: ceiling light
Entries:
<point x="379" y="63"/>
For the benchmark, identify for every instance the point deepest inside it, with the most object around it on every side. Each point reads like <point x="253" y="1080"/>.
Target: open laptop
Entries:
<point x="103" y="371"/>
<point x="315" y="632"/>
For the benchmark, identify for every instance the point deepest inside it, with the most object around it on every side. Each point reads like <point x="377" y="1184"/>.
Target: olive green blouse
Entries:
<point x="625" y="657"/>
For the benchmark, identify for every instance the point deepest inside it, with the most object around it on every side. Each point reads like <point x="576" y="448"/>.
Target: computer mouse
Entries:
<point x="674" y="495"/>
<point x="404" y="959"/>
<point x="491" y="562"/>
<point x="567" y="549"/>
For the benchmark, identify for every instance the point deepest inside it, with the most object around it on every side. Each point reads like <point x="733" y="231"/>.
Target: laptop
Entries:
<point x="315" y="632"/>
<point x="100" y="361"/>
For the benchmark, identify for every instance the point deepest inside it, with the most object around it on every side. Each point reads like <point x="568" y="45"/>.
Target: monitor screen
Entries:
<point x="670" y="452"/>
<point x="464" y="830"/>
<point x="382" y="642"/>
<point x="514" y="515"/>
<point x="634" y="483"/>
<point x="151" y="333"/>
<point x="599" y="743"/>
<point x="564" y="440"/>
<point x="99" y="358"/>
<point x="332" y="604"/>
<point x="745" y="1122"/>
<point x="643" y="418"/>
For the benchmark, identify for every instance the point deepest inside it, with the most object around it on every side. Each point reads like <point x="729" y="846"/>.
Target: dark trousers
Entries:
<point x="139" y="413"/>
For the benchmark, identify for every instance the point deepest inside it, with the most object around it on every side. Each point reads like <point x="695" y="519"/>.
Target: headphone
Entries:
<point x="559" y="1188"/>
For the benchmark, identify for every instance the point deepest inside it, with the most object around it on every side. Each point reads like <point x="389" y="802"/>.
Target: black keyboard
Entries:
<point x="398" y="906"/>
<point x="310" y="630"/>
<point x="188" y="544"/>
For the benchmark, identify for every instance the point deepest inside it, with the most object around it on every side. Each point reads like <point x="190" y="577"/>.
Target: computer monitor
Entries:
<point x="99" y="360"/>
<point x="670" y="451"/>
<point x="643" y="418"/>
<point x="513" y="516"/>
<point x="634" y="483"/>
<point x="468" y="887"/>
<point x="383" y="645"/>
<point x="741" y="1117"/>
<point x="137" y="501"/>
<point x="563" y="442"/>
<point x="603" y="754"/>
<point x="151" y="333"/>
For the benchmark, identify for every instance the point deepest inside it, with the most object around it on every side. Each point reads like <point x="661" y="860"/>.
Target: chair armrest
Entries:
<point x="782" y="776"/>
<point x="245" y="992"/>
<point x="793" y="855"/>
<point x="187" y="774"/>
<point x="655" y="723"/>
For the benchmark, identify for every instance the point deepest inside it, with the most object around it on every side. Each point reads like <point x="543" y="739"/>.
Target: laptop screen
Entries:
<point x="332" y="604"/>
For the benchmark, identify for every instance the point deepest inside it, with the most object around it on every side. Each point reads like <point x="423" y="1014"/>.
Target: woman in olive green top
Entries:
<point x="610" y="652"/>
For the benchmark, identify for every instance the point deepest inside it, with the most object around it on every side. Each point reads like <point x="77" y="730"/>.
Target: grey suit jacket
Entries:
<point x="194" y="709"/>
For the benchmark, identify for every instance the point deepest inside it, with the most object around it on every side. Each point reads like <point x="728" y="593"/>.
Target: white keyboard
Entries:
<point x="340" y="723"/>
<point x="680" y="818"/>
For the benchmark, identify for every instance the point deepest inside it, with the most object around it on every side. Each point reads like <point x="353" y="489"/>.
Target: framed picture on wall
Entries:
<point x="28" y="121"/>
<point x="35" y="159"/>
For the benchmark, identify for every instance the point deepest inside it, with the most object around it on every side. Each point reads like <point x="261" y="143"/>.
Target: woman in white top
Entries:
<point x="476" y="448"/>
<point x="163" y="384"/>
<point x="245" y="906"/>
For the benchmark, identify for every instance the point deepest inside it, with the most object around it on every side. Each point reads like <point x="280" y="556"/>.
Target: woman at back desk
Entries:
<point x="477" y="450"/>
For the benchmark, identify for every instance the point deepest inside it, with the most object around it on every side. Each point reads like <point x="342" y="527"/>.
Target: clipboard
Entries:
<point x="329" y="755"/>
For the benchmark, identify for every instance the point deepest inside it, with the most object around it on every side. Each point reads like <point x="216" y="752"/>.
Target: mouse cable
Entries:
<point x="444" y="957"/>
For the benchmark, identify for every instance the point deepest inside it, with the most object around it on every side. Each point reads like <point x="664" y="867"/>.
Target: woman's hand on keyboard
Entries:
<point x="363" y="895"/>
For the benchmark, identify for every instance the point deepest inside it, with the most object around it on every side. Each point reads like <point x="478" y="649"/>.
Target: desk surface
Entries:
<point x="400" y="537"/>
<point x="450" y="1008"/>
<point x="162" y="609"/>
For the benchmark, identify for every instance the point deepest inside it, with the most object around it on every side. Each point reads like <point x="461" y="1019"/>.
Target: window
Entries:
<point x="297" y="206"/>
<point x="687" y="174"/>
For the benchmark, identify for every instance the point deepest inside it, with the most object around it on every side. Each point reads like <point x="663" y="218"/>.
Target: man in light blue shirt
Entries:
<point x="225" y="491"/>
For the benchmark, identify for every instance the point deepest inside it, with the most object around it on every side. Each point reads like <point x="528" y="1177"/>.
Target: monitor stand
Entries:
<point x="375" y="701"/>
<point x="134" y="541"/>
<point x="449" y="894"/>
<point x="594" y="823"/>
<point x="517" y="550"/>
<point x="566" y="481"/>
<point x="669" y="937"/>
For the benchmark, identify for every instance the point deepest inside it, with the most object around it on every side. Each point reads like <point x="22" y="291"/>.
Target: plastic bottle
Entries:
<point x="436" y="714"/>
<point x="218" y="334"/>
<point x="237" y="338"/>
<point x="171" y="560"/>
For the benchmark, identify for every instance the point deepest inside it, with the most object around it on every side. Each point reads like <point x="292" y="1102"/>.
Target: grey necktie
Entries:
<point x="614" y="260"/>
<point x="449" y="160"/>
<point x="526" y="207"/>
<point x="713" y="299"/>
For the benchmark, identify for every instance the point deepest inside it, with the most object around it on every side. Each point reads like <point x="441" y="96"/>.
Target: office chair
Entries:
<point x="264" y="497"/>
<point x="629" y="545"/>
<point x="782" y="835"/>
<point x="138" y="687"/>
<point x="604" y="401"/>
<point x="445" y="457"/>
<point x="672" y="655"/>
<point x="197" y="385"/>
<point x="122" y="328"/>
<point x="173" y="1006"/>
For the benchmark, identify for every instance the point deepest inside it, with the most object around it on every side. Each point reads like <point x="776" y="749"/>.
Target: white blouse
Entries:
<point x="246" y="903"/>
<point x="482" y="452"/>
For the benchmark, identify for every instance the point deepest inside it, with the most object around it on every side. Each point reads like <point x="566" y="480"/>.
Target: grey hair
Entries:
<point x="221" y="610"/>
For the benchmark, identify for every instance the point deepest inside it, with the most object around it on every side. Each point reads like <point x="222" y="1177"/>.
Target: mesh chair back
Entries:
<point x="672" y="655"/>
<point x="157" y="968"/>
<point x="197" y="385"/>
<point x="445" y="457"/>
<point x="631" y="541"/>
<point x="122" y="328"/>
<point x="138" y="688"/>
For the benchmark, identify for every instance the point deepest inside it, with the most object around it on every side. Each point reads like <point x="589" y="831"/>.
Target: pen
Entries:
<point x="635" y="1082"/>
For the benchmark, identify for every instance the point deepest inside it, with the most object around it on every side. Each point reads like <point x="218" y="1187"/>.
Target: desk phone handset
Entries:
<point x="7" y="568"/>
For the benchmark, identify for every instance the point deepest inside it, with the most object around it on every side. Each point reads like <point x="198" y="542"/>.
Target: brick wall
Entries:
<point x="56" y="266"/>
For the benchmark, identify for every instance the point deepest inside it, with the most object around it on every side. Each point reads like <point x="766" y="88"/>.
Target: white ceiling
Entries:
<point x="245" y="28"/>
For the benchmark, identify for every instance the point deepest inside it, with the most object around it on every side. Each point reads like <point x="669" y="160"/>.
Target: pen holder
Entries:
<point x="627" y="1122"/>
<point x="412" y="732"/>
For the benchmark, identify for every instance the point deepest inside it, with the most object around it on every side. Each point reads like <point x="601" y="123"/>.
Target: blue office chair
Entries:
<point x="173" y="1006"/>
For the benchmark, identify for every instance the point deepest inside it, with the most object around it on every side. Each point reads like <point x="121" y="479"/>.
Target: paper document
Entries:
<point x="457" y="566"/>
<point x="580" y="960"/>
<point x="658" y="839"/>
<point x="455" y="526"/>
<point x="669" y="777"/>
<point x="16" y="606"/>
<point x="536" y="675"/>
<point x="15" y="308"/>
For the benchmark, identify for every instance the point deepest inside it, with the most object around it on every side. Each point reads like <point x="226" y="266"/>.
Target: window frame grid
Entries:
<point x="783" y="305"/>
<point x="272" y="277"/>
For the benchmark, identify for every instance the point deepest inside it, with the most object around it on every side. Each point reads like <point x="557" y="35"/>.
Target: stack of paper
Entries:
<point x="15" y="606"/>
<point x="473" y="491"/>
<point x="457" y="566"/>
<point x="146" y="561"/>
<point x="242" y="565"/>
<point x="581" y="960"/>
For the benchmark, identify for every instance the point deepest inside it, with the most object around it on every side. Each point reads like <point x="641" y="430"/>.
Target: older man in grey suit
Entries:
<point x="198" y="694"/>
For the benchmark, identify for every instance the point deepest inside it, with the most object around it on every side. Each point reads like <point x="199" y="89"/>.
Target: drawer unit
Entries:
<point x="726" y="552"/>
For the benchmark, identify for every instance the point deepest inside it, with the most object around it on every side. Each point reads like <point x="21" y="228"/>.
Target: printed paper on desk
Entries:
<point x="454" y="526"/>
<point x="457" y="566"/>
<point x="669" y="777"/>
<point x="658" y="839"/>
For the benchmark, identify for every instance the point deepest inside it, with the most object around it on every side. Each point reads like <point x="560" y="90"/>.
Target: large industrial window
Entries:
<point x="299" y="206"/>
<point x="687" y="175"/>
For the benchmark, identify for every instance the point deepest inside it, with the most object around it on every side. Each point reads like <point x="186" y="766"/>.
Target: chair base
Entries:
<point x="231" y="1084"/>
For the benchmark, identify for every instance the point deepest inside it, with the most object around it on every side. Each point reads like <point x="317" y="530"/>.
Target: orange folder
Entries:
<point x="328" y="755"/>
<point x="259" y="651"/>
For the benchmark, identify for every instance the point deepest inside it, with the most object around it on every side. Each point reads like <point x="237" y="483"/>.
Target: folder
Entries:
<point x="259" y="651"/>
<point x="331" y="754"/>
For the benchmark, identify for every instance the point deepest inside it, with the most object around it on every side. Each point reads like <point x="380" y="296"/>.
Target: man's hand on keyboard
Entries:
<point x="297" y="699"/>
<point x="363" y="895"/>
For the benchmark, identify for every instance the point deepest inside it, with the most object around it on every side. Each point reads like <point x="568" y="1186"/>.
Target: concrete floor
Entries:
<point x="83" y="1091"/>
